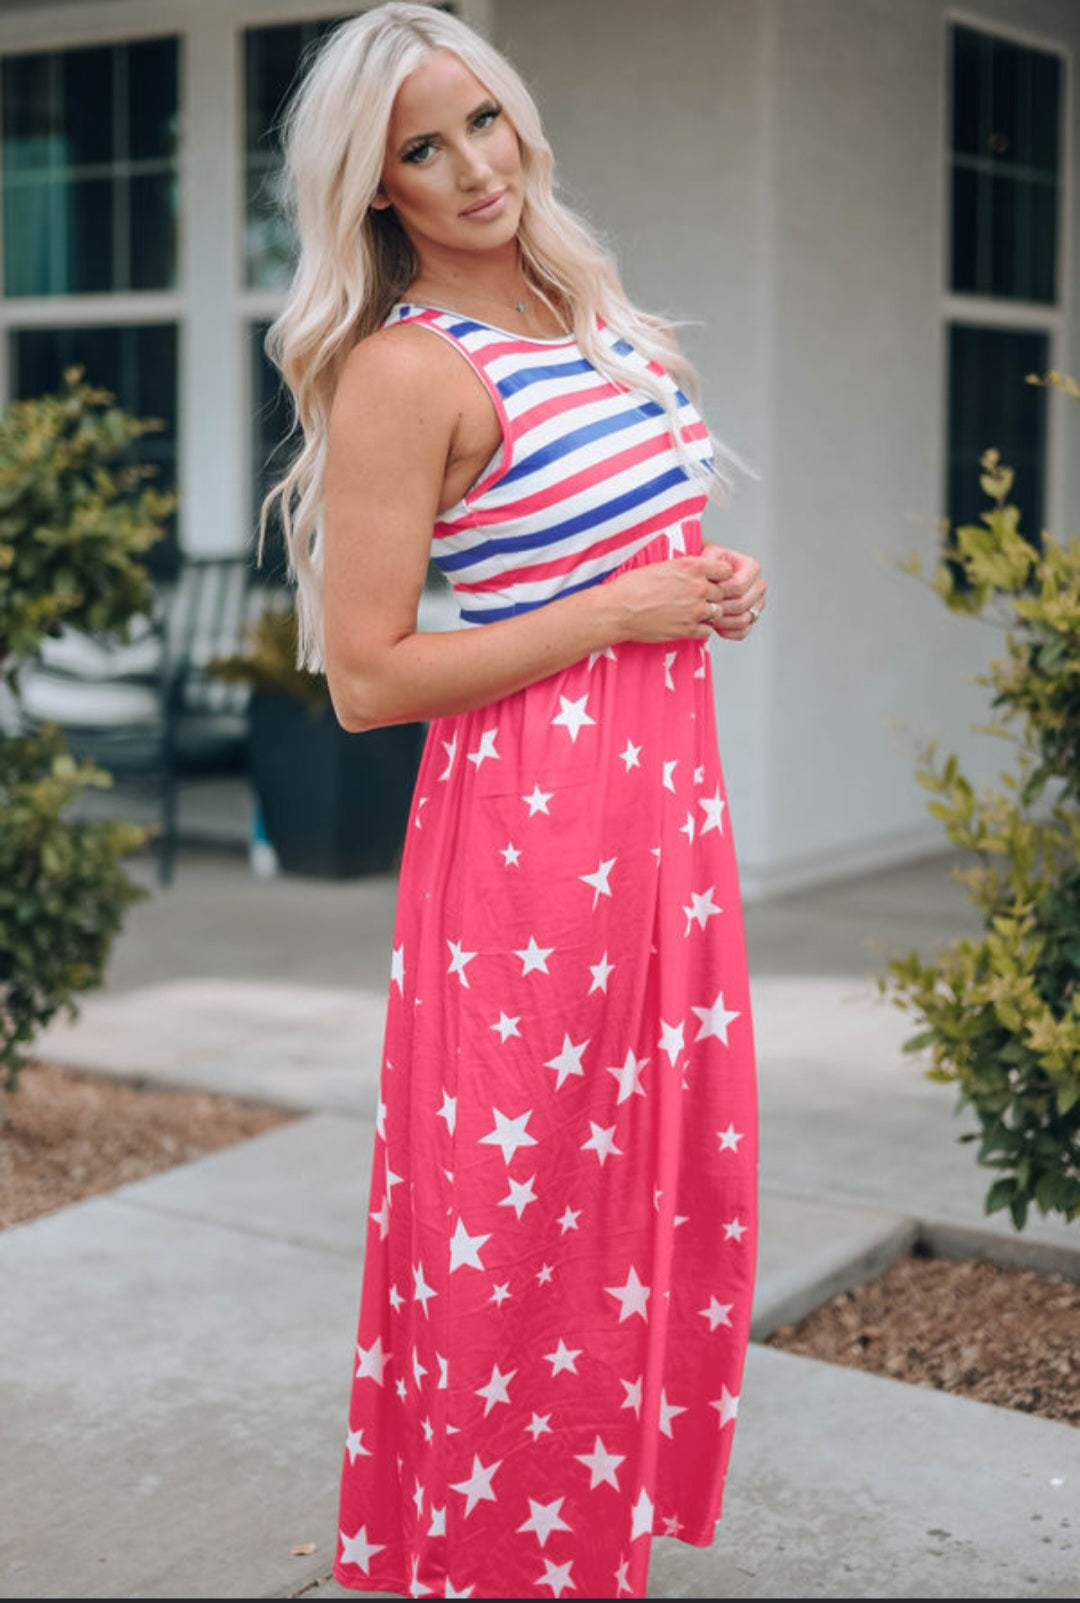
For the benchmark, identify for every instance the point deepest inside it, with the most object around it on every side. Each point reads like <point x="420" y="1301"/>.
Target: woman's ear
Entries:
<point x="379" y="202"/>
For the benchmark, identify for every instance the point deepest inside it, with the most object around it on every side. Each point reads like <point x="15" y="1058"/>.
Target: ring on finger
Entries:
<point x="712" y="611"/>
<point x="755" y="613"/>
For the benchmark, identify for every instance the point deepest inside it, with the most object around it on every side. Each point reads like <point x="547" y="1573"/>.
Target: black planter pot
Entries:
<point x="335" y="805"/>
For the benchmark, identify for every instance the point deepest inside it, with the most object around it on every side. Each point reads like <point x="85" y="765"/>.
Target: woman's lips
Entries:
<point x="484" y="209"/>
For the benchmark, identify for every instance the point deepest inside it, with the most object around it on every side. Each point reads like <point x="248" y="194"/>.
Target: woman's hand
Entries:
<point x="678" y="600"/>
<point x="744" y="590"/>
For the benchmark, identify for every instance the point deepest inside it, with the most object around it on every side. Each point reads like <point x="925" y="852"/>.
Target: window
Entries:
<point x="90" y="143"/>
<point x="989" y="404"/>
<point x="271" y="417"/>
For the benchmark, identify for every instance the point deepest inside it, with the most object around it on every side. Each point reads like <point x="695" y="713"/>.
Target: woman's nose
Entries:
<point x="473" y="168"/>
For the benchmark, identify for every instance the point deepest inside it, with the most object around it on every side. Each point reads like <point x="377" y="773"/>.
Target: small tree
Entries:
<point x="1000" y="1015"/>
<point x="75" y="518"/>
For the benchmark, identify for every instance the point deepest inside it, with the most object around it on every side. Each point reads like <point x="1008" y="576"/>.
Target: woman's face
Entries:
<point x="453" y="163"/>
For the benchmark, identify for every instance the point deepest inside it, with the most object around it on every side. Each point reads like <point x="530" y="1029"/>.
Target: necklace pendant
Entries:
<point x="520" y="307"/>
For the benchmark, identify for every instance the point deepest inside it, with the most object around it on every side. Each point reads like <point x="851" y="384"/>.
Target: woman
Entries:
<point x="561" y="1240"/>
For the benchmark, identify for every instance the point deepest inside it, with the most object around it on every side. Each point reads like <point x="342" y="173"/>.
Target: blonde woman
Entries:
<point x="560" y="1249"/>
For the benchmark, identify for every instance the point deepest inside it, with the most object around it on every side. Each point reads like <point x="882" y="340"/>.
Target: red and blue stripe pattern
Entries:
<point x="586" y="474"/>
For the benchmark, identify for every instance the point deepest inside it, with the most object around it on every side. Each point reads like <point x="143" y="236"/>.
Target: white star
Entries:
<point x="669" y="771"/>
<point x="602" y="1142"/>
<point x="672" y="1525"/>
<point x="382" y="1219"/>
<point x="539" y="1425"/>
<point x="544" y="1273"/>
<point x="521" y="1193"/>
<point x="629" y="1076"/>
<point x="543" y="1519"/>
<point x="599" y="880"/>
<point x="714" y="1020"/>
<point x="668" y="1411"/>
<point x="396" y="1299"/>
<point x="734" y="1231"/>
<point x="465" y="1249"/>
<point x="569" y="1220"/>
<point x="699" y="776"/>
<point x="421" y="1292"/>
<point x="451" y="1592"/>
<point x="631" y="756"/>
<point x="534" y="957"/>
<point x="417" y="1367"/>
<point x="354" y="1446"/>
<point x="622" y="1583"/>
<point x="418" y="822"/>
<point x="358" y="1550"/>
<point x="380" y="1120"/>
<point x="450" y="748"/>
<point x="632" y="1399"/>
<point x="601" y="972"/>
<point x="509" y="1134"/>
<point x="458" y="961"/>
<point x="563" y="1358"/>
<point x="510" y="854"/>
<point x="438" y="1522"/>
<point x="687" y="829"/>
<point x="729" y="1139"/>
<point x="573" y="716"/>
<point x="671" y="1039"/>
<point x="477" y="1489"/>
<point x="448" y="1111"/>
<point x="670" y="658"/>
<point x="499" y="1294"/>
<point x="538" y="801"/>
<point x="486" y="748"/>
<point x="717" y="1313"/>
<point x="567" y="1062"/>
<point x="702" y="908"/>
<point x="602" y="1465"/>
<point x="642" y="1512"/>
<point x="429" y="1436"/>
<point x="392" y="1180"/>
<point x="632" y="1297"/>
<point x="595" y="656"/>
<point x="371" y="1361"/>
<point x="507" y="1026"/>
<point x="495" y="1391"/>
<point x="713" y="807"/>
<point x="726" y="1405"/>
<point x="418" y="1498"/>
<point x="557" y="1576"/>
<point x="402" y="1389"/>
<point x="397" y="967"/>
<point x="441" y="1383"/>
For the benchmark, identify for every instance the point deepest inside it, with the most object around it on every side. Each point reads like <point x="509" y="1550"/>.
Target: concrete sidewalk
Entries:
<point x="177" y="1355"/>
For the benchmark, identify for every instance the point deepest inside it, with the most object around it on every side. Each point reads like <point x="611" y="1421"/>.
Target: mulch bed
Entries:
<point x="67" y="1136"/>
<point x="1004" y="1336"/>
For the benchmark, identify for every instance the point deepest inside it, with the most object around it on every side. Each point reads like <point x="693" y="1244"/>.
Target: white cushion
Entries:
<point x="87" y="657"/>
<point x="79" y="703"/>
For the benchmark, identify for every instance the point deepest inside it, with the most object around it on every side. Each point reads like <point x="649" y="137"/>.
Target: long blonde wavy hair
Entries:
<point x="355" y="263"/>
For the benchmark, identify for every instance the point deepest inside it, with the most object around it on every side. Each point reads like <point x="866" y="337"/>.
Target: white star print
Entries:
<point x="717" y="1313"/>
<point x="642" y="1513"/>
<point x="602" y="1142"/>
<point x="441" y="1384"/>
<point x="602" y="1466"/>
<point x="672" y="1525"/>
<point x="380" y="1120"/>
<point x="382" y="1219"/>
<point x="557" y="1576"/>
<point x="477" y="1489"/>
<point x="495" y="1391"/>
<point x="450" y="748"/>
<point x="396" y="1299"/>
<point x="563" y="1358"/>
<point x="729" y="1139"/>
<point x="669" y="772"/>
<point x="713" y="807"/>
<point x="371" y="1361"/>
<point x="734" y="1231"/>
<point x="448" y="1111"/>
<point x="354" y="1446"/>
<point x="622" y="1583"/>
<point x="418" y="1499"/>
<point x="671" y="1039"/>
<point x="521" y="1193"/>
<point x="392" y="1180"/>
<point x="702" y="909"/>
<point x="459" y="960"/>
<point x="629" y="1076"/>
<point x="538" y="801"/>
<point x="417" y="1367"/>
<point x="499" y="1294"/>
<point x="397" y="967"/>
<point x="595" y="656"/>
<point x="726" y="1405"/>
<point x="633" y="1395"/>
<point x="358" y="1550"/>
<point x="509" y="1134"/>
<point x="510" y="854"/>
<point x="421" y="1292"/>
<point x="699" y="776"/>
<point x="535" y="957"/>
<point x="573" y="716"/>
<point x="507" y="1026"/>
<point x="632" y="1297"/>
<point x="438" y="1522"/>
<point x="485" y="749"/>
<point x="451" y="1592"/>
<point x="539" y="1425"/>
<point x="668" y="1411"/>
<point x="429" y="1436"/>
<point x="544" y="1274"/>
<point x="687" y="829"/>
<point x="601" y="972"/>
<point x="465" y="1249"/>
<point x="670" y="659"/>
<point x="544" y="1518"/>
<point x="631" y="756"/>
<point x="402" y="1389"/>
<point x="569" y="1220"/>
<point x="599" y="880"/>
<point x="714" y="1020"/>
<point x="567" y="1062"/>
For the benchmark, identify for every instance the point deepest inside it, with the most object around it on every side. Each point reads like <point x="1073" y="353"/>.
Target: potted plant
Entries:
<point x="335" y="804"/>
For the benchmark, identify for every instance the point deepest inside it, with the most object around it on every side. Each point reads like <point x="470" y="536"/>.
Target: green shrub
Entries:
<point x="268" y="662"/>
<point x="1000" y="1015"/>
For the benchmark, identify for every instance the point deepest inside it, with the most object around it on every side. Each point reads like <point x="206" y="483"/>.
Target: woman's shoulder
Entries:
<point x="400" y="361"/>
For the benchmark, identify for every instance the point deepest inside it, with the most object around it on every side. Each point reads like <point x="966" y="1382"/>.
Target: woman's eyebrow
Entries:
<point x="423" y="139"/>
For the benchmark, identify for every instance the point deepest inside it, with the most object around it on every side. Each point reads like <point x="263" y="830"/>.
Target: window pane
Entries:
<point x="1004" y="241"/>
<point x="86" y="100"/>
<point x="967" y="134"/>
<point x="965" y="230"/>
<point x="1046" y="75"/>
<point x="31" y="123"/>
<point x="153" y="99"/>
<point x="86" y="240"/>
<point x="1006" y="67"/>
<point x="1043" y="240"/>
<point x="991" y="405"/>
<point x="271" y="418"/>
<point x="138" y="364"/>
<point x="29" y="226"/>
<point x="154" y="213"/>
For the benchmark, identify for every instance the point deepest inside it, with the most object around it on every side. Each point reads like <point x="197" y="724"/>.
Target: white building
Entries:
<point x="865" y="209"/>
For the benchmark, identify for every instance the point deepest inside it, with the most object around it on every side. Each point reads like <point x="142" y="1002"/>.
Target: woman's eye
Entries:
<point x="419" y="153"/>
<point x="484" y="119"/>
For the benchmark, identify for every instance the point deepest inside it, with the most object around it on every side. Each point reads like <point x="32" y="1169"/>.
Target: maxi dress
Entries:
<point x="562" y="1232"/>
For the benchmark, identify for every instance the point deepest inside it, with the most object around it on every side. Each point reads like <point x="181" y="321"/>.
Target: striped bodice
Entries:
<point x="585" y="476"/>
